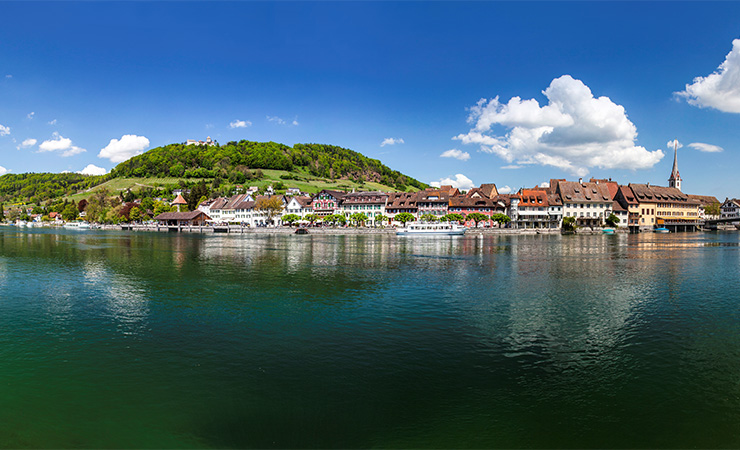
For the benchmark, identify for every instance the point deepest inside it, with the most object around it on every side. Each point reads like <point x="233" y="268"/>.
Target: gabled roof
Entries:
<point x="189" y="215"/>
<point x="704" y="200"/>
<point x="573" y="191"/>
<point x="533" y="197"/>
<point x="660" y="194"/>
<point x="467" y="202"/>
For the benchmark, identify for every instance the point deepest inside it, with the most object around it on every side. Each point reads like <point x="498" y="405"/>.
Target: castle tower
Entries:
<point x="675" y="179"/>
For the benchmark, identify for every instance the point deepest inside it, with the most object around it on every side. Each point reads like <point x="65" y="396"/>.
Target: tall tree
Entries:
<point x="269" y="206"/>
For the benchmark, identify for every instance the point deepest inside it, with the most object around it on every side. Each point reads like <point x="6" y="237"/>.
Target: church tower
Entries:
<point x="675" y="179"/>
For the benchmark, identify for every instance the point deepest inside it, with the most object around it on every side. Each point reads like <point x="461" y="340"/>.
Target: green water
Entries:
<point x="166" y="341"/>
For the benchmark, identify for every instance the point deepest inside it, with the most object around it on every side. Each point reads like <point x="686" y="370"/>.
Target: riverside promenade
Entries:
<point x="237" y="229"/>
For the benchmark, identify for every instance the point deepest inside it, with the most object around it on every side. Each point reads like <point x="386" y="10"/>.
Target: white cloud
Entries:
<point x="53" y="122"/>
<point x="240" y="124"/>
<point x="92" y="169"/>
<point x="504" y="190"/>
<point x="4" y="131"/>
<point x="457" y="154"/>
<point x="3" y="171"/>
<point x="573" y="132"/>
<point x="545" y="184"/>
<point x="707" y="148"/>
<point x="391" y="141"/>
<point x="460" y="181"/>
<point x="670" y="144"/>
<point x="30" y="115"/>
<point x="512" y="167"/>
<point x="719" y="90"/>
<point x="128" y="146"/>
<point x="295" y="123"/>
<point x="60" y="144"/>
<point x="276" y="119"/>
<point x="27" y="143"/>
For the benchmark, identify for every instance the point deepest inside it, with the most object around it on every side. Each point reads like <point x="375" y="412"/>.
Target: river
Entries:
<point x="157" y="340"/>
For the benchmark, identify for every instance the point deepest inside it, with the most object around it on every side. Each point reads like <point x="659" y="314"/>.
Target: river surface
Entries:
<point x="156" y="340"/>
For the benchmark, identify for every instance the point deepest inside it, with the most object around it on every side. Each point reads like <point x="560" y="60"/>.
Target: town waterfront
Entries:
<point x="124" y="339"/>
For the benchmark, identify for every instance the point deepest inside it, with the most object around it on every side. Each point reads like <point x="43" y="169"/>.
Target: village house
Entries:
<point x="704" y="202"/>
<point x="589" y="203"/>
<point x="372" y="204"/>
<point x="327" y="202"/>
<point x="530" y="209"/>
<point x="401" y="202"/>
<point x="190" y="218"/>
<point x="627" y="200"/>
<point x="730" y="209"/>
<point x="300" y="206"/>
<point x="433" y="201"/>
<point x="661" y="206"/>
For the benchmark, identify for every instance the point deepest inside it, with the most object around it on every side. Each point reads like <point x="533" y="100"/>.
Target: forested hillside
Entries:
<point x="36" y="187"/>
<point x="235" y="160"/>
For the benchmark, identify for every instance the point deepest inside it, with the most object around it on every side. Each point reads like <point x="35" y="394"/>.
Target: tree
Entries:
<point x="198" y="191"/>
<point x="70" y="212"/>
<point x="2" y="212"/>
<point x="712" y="209"/>
<point x="311" y="217"/>
<point x="429" y="218"/>
<point x="501" y="218"/>
<point x="135" y="214"/>
<point x="291" y="218"/>
<point x="404" y="217"/>
<point x="453" y="217"/>
<point x="269" y="206"/>
<point x="612" y="220"/>
<point x="82" y="205"/>
<point x="477" y="217"/>
<point x="340" y="219"/>
<point x="380" y="218"/>
<point x="569" y="223"/>
<point x="358" y="218"/>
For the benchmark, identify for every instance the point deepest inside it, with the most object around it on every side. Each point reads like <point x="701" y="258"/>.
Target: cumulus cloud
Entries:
<point x="504" y="190"/>
<point x="60" y="144"/>
<point x="460" y="181"/>
<point x="707" y="148"/>
<point x="391" y="141"/>
<point x="457" y="154"/>
<point x="119" y="150"/>
<point x="4" y="131"/>
<point x="240" y="124"/>
<point x="27" y="143"/>
<point x="545" y="184"/>
<point x="295" y="123"/>
<point x="719" y="90"/>
<point x="92" y="169"/>
<point x="30" y="115"/>
<point x="574" y="131"/>
<point x="3" y="171"/>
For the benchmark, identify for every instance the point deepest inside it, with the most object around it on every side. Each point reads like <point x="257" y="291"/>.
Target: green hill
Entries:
<point x="310" y="167"/>
<point x="236" y="162"/>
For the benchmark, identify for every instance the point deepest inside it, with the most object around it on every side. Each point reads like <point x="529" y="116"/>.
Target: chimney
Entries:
<point x="580" y="180"/>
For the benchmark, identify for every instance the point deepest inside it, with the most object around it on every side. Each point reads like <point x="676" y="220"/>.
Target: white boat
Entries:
<point x="661" y="230"/>
<point x="441" y="228"/>
<point x="77" y="225"/>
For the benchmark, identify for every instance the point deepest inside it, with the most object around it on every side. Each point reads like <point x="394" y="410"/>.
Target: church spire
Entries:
<point x="675" y="178"/>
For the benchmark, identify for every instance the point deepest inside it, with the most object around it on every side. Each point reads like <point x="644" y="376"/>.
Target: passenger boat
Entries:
<point x="661" y="230"/>
<point x="77" y="225"/>
<point x="422" y="228"/>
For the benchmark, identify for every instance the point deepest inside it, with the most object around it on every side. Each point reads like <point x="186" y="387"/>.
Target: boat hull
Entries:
<point x="431" y="233"/>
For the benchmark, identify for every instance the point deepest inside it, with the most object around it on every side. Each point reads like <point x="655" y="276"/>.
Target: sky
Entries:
<point x="462" y="93"/>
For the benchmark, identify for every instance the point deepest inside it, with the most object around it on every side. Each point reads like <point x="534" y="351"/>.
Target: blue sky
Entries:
<point x="596" y="86"/>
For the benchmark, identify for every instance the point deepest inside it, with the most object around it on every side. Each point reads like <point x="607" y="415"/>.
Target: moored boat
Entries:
<point x="661" y="230"/>
<point x="82" y="225"/>
<point x="422" y="229"/>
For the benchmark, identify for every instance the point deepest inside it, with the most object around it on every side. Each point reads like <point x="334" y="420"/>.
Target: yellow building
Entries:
<point x="668" y="207"/>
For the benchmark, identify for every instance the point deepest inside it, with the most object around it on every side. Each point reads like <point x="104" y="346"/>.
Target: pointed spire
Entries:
<point x="674" y="173"/>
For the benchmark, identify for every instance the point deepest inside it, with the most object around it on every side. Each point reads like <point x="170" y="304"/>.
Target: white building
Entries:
<point x="372" y="204"/>
<point x="730" y="209"/>
<point x="300" y="206"/>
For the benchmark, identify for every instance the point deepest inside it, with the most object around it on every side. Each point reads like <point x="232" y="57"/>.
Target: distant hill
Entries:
<point x="310" y="167"/>
<point x="235" y="162"/>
